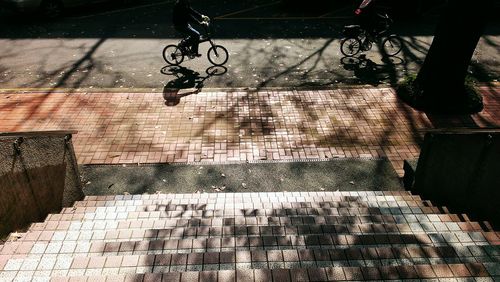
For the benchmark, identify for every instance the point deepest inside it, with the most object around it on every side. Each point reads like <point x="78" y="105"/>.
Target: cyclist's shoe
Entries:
<point x="192" y="55"/>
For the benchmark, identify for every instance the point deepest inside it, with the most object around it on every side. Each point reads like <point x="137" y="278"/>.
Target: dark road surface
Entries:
<point x="270" y="45"/>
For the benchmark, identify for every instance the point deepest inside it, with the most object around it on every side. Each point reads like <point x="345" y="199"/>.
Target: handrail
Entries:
<point x="38" y="133"/>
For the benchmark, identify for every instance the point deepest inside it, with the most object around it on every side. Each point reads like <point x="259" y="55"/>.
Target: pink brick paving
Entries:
<point x="236" y="125"/>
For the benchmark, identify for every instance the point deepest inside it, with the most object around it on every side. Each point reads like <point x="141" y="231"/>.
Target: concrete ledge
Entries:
<point x="460" y="169"/>
<point x="38" y="175"/>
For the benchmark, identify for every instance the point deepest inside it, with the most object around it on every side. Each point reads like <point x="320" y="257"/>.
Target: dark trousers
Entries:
<point x="193" y="36"/>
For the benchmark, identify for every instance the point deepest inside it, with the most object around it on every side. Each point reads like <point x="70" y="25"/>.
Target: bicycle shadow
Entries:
<point x="369" y="72"/>
<point x="186" y="82"/>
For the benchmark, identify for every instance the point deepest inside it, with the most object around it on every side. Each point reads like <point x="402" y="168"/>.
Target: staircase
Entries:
<point x="310" y="236"/>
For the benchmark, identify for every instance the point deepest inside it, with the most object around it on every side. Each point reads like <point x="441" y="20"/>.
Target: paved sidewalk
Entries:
<point x="221" y="126"/>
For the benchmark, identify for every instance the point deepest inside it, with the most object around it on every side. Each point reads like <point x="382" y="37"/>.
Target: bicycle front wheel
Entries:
<point x="392" y="45"/>
<point x="217" y="55"/>
<point x="350" y="46"/>
<point x="173" y="55"/>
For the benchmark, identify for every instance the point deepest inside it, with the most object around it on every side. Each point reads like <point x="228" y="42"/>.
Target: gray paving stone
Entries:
<point x="75" y="272"/>
<point x="484" y="279"/>
<point x="13" y="265"/>
<point x="93" y="272"/>
<point x="110" y="271"/>
<point x="40" y="279"/>
<point x="38" y="248"/>
<point x="143" y="269"/>
<point x="53" y="248"/>
<point x="59" y="272"/>
<point x="226" y="266"/>
<point x="177" y="268"/>
<point x="493" y="268"/>
<point x="25" y="274"/>
<point x="42" y="273"/>
<point x="29" y="264"/>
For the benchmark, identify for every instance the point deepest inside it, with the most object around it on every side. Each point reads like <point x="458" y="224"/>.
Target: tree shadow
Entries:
<point x="349" y="232"/>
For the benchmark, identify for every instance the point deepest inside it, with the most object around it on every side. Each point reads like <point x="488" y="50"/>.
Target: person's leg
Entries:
<point x="194" y="38"/>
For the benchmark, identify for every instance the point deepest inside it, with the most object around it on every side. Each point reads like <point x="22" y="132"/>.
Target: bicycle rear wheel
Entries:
<point x="173" y="55"/>
<point x="217" y="55"/>
<point x="392" y="45"/>
<point x="350" y="46"/>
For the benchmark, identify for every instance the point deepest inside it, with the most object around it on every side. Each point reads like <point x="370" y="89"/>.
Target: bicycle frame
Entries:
<point x="216" y="54"/>
<point x="208" y="35"/>
<point x="203" y="38"/>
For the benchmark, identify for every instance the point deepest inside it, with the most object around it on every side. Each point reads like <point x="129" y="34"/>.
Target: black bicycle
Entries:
<point x="174" y="54"/>
<point x="358" y="39"/>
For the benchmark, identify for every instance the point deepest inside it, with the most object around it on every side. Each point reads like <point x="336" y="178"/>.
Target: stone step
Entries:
<point x="428" y="222"/>
<point x="249" y="217"/>
<point x="211" y="204"/>
<point x="289" y="258"/>
<point x="191" y="200"/>
<point x="289" y="233"/>
<point x="350" y="273"/>
<point x="219" y="197"/>
<point x="148" y="229"/>
<point x="240" y="243"/>
<point x="165" y="205"/>
<point x="252" y="195"/>
<point x="256" y="226"/>
<point x="434" y="214"/>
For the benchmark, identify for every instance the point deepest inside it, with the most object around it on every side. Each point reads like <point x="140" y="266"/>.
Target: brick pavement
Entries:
<point x="220" y="126"/>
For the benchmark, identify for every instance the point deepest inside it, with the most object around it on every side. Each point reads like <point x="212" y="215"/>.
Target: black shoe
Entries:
<point x="193" y="55"/>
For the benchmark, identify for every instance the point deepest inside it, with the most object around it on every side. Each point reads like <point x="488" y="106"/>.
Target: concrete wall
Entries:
<point x="38" y="175"/>
<point x="460" y="169"/>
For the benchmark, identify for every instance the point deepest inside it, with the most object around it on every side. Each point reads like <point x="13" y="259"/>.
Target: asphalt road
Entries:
<point x="270" y="45"/>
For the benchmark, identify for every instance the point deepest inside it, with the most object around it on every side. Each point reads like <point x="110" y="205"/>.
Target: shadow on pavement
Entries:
<point x="369" y="72"/>
<point x="186" y="79"/>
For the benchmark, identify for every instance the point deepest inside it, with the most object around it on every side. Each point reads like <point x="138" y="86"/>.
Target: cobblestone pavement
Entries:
<point x="236" y="125"/>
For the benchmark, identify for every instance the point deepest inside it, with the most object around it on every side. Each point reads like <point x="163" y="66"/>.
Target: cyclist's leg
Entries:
<point x="185" y="42"/>
<point x="194" y="38"/>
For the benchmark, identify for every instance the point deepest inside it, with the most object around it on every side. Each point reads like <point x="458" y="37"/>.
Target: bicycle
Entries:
<point x="359" y="39"/>
<point x="174" y="54"/>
